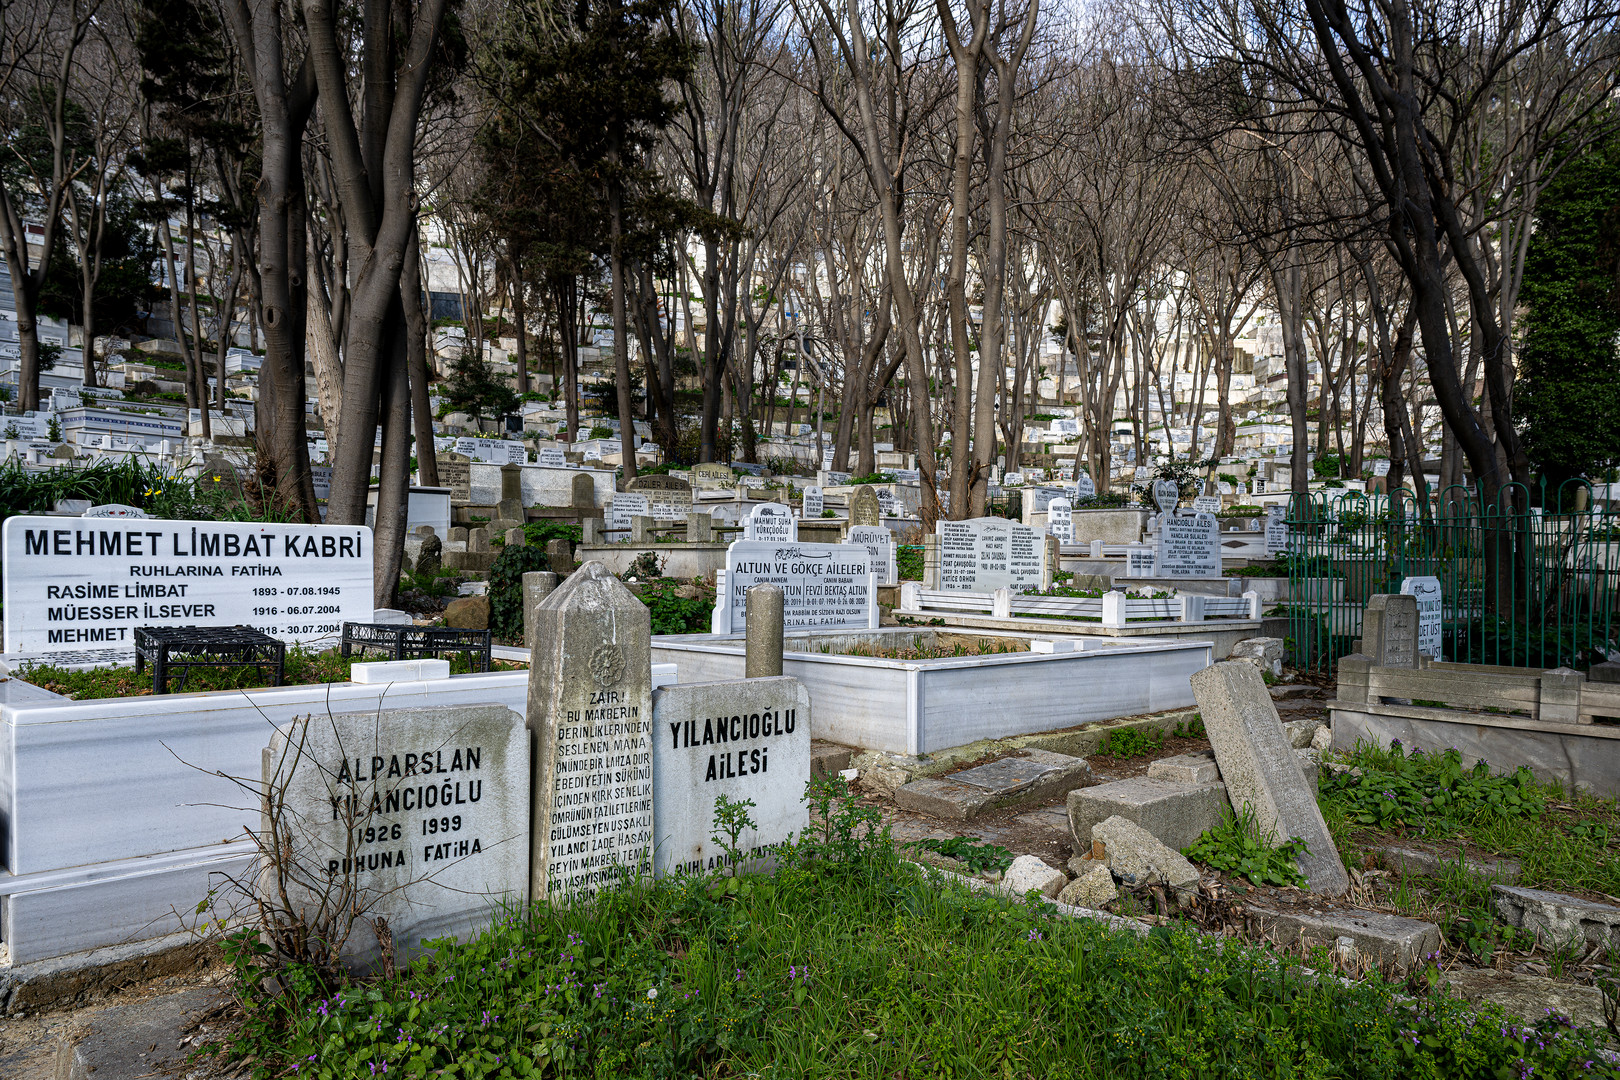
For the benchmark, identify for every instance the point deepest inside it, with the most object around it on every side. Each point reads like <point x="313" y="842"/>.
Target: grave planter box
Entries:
<point x="924" y="706"/>
<point x="679" y="560"/>
<point x="114" y="814"/>
<point x="1118" y="526"/>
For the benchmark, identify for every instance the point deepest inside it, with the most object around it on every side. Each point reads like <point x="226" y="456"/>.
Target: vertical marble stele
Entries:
<point x="590" y="719"/>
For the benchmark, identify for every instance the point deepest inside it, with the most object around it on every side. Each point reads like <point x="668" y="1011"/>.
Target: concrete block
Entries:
<point x="828" y="759"/>
<point x="1137" y="857"/>
<point x="1186" y="769"/>
<point x="1176" y="813"/>
<point x="1028" y="872"/>
<point x="1423" y="863"/>
<point x="942" y="799"/>
<point x="1557" y="919"/>
<point x="1386" y="940"/>
<point x="387" y="671"/>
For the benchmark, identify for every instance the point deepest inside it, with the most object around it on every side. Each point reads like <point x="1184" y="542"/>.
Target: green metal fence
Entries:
<point x="1532" y="587"/>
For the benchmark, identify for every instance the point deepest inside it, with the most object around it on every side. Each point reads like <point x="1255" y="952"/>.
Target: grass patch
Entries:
<point x="849" y="963"/>
<point x="302" y="668"/>
<point x="1125" y="743"/>
<point x="978" y="855"/>
<point x="980" y="647"/>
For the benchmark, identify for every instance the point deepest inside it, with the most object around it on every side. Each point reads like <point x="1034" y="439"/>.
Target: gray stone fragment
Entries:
<point x="478" y="539"/>
<point x="1138" y="858"/>
<point x="560" y="554"/>
<point x="1422" y="863"/>
<point x="1386" y="940"/>
<point x="1322" y="739"/>
<point x="1301" y="733"/>
<point x="1028" y="872"/>
<point x="537" y="585"/>
<point x="1265" y="653"/>
<point x="1092" y="889"/>
<point x="1389" y="630"/>
<point x="762" y="642"/>
<point x="430" y="557"/>
<point x="1175" y="813"/>
<point x="141" y="1038"/>
<point x="1260" y="769"/>
<point x="1529" y="997"/>
<point x="699" y="528"/>
<point x="1556" y="919"/>
<point x="1199" y="768"/>
<point x="941" y="798"/>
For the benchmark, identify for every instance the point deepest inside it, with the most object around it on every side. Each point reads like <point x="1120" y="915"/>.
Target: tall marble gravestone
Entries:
<point x="1060" y="520"/>
<point x="1276" y="530"/>
<point x="986" y="554"/>
<point x="1426" y="591"/>
<point x="772" y="523"/>
<point x="864" y="508"/>
<point x="416" y="816"/>
<point x="1189" y="547"/>
<point x="1389" y="630"/>
<point x="824" y="586"/>
<point x="590" y="716"/>
<point x="813" y="504"/>
<point x="879" y="543"/>
<point x="745" y="739"/>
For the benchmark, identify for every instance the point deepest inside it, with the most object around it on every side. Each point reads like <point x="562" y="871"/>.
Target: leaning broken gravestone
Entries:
<point x="1260" y="769"/>
<point x="590" y="715"/>
<point x="418" y="817"/>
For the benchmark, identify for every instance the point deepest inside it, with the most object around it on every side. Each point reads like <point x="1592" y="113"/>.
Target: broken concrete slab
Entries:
<point x="1092" y="889"/>
<point x="1423" y="863"/>
<point x="1557" y="919"/>
<point x="1032" y="778"/>
<point x="1028" y="872"/>
<point x="1530" y="998"/>
<point x="1265" y="653"/>
<point x="1199" y="768"/>
<point x="1389" y="941"/>
<point x="828" y="759"/>
<point x="1260" y="769"/>
<point x="1137" y="857"/>
<point x="1052" y="818"/>
<point x="1174" y="813"/>
<point x="139" y="1039"/>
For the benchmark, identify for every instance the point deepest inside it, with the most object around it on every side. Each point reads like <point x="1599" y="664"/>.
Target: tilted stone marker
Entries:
<point x="747" y="739"/>
<point x="1084" y="487"/>
<point x="1426" y="591"/>
<point x="771" y="523"/>
<point x="416" y="816"/>
<point x="1389" y="630"/>
<point x="864" y="508"/>
<point x="590" y="715"/>
<point x="1260" y="769"/>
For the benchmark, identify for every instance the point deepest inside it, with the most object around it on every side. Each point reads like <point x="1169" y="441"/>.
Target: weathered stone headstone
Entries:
<point x="512" y="485"/>
<point x="986" y="554"/>
<point x="1260" y="769"/>
<point x="1389" y="630"/>
<point x="711" y="475"/>
<point x="422" y="813"/>
<point x="747" y="739"/>
<point x="582" y="491"/>
<point x="590" y="713"/>
<point x="887" y="507"/>
<point x="1189" y="547"/>
<point x="478" y="539"/>
<point x="699" y="528"/>
<point x="455" y="473"/>
<point x="1165" y="495"/>
<point x="537" y="585"/>
<point x="1426" y="591"/>
<point x="864" y="508"/>
<point x="430" y="556"/>
<point x="824" y="586"/>
<point x="560" y="556"/>
<point x="813" y="504"/>
<point x="626" y="505"/>
<point x="879" y="543"/>
<point x="669" y="497"/>
<point x="771" y="523"/>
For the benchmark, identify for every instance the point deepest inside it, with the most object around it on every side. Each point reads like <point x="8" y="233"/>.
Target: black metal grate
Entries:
<point x="402" y="642"/>
<point x="168" y="648"/>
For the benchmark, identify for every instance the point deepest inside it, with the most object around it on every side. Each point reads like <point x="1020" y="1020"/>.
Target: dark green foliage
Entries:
<point x="1103" y="500"/>
<point x="908" y="559"/>
<point x="506" y="589"/>
<point x="1183" y="473"/>
<point x="1432" y="790"/>
<point x="1326" y="466"/>
<point x="978" y="855"/>
<point x="1568" y="390"/>
<point x="1235" y="846"/>
<point x="474" y="388"/>
<point x="1124" y="743"/>
<point x="672" y="614"/>
<point x="540" y="532"/>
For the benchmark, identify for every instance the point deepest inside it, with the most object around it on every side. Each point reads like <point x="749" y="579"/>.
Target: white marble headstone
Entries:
<point x="772" y="523"/>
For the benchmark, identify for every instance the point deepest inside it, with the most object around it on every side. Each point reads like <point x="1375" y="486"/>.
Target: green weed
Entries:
<point x="979" y="855"/>
<point x="1236" y="846"/>
<point x="1122" y="743"/>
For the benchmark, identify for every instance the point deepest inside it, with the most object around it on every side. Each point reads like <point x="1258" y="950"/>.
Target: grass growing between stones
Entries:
<point x="302" y="667"/>
<point x="849" y="963"/>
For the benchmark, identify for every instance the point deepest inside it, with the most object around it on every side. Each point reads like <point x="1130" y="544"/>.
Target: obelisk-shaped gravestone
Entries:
<point x="590" y="716"/>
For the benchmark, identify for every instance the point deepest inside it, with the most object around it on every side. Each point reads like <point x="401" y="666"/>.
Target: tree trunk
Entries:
<point x="416" y="331"/>
<point x="393" y="485"/>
